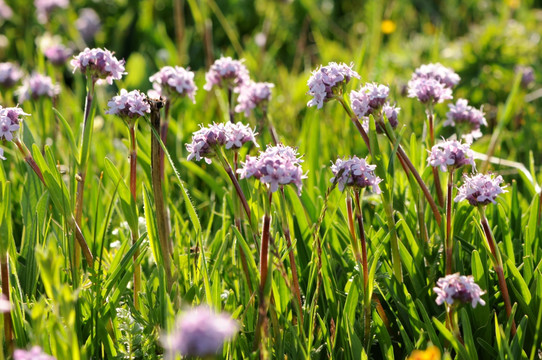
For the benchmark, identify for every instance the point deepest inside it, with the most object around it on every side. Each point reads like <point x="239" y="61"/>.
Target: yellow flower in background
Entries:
<point x="514" y="4"/>
<point x="432" y="353"/>
<point x="388" y="26"/>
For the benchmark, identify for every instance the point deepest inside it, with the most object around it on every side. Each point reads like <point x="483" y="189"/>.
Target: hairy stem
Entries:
<point x="161" y="215"/>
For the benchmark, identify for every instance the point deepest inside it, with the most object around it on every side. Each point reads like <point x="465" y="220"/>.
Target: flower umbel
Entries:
<point x="438" y="72"/>
<point x="36" y="86"/>
<point x="10" y="74"/>
<point x="451" y="153"/>
<point x="480" y="189"/>
<point x="10" y="119"/>
<point x="461" y="289"/>
<point x="33" y="354"/>
<point x="58" y="54"/>
<point x="44" y="8"/>
<point x="200" y="332"/>
<point x="100" y="63"/>
<point x="226" y="73"/>
<point x="233" y="136"/>
<point x="428" y="90"/>
<point x="462" y="113"/>
<point x="88" y="24"/>
<point x="129" y="105"/>
<point x="326" y="81"/>
<point x="175" y="81"/>
<point x="277" y="165"/>
<point x="355" y="172"/>
<point x="252" y="95"/>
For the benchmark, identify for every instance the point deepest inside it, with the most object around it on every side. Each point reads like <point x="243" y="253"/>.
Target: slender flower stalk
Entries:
<point x="130" y="106"/>
<point x="436" y="177"/>
<point x="448" y="242"/>
<point x="156" y="178"/>
<point x="8" y="324"/>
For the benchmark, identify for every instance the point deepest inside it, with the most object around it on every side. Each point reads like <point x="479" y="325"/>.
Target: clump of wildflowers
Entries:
<point x="450" y="154"/>
<point x="100" y="64"/>
<point x="129" y="105"/>
<point x="36" y="86"/>
<point x="326" y="82"/>
<point x="480" y="189"/>
<point x="253" y="94"/>
<point x="10" y="119"/>
<point x="200" y="332"/>
<point x="226" y="73"/>
<point x="277" y="165"/>
<point x="462" y="289"/>
<point x="33" y="354"/>
<point x="462" y="113"/>
<point x="232" y="136"/>
<point x="174" y="81"/>
<point x="355" y="172"/>
<point x="438" y="72"/>
<point x="44" y="8"/>
<point x="10" y="74"/>
<point x="58" y="54"/>
<point x="428" y="90"/>
<point x="88" y="23"/>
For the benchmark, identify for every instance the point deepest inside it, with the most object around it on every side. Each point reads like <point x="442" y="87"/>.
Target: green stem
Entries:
<point x="367" y="301"/>
<point x="448" y="243"/>
<point x="135" y="231"/>
<point x="8" y="326"/>
<point x="436" y="178"/>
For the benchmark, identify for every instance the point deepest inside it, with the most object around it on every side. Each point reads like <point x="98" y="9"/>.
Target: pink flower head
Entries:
<point x="100" y="63"/>
<point x="175" y="81"/>
<point x="232" y="136"/>
<point x="462" y="113"/>
<point x="226" y="73"/>
<point x="58" y="54"/>
<point x="44" y="8"/>
<point x="5" y="11"/>
<point x="326" y="81"/>
<point x="452" y="154"/>
<point x="428" y="90"/>
<point x="277" y="165"/>
<point x="36" y="86"/>
<point x="129" y="105"/>
<point x="355" y="172"/>
<point x="253" y="94"/>
<point x="369" y="99"/>
<point x="5" y="305"/>
<point x="391" y="112"/>
<point x="527" y="75"/>
<point x="480" y="189"/>
<point x="10" y="119"/>
<point x="461" y="289"/>
<point x="33" y="354"/>
<point x="88" y="24"/>
<point x="438" y="72"/>
<point x="10" y="74"/>
<point x="200" y="332"/>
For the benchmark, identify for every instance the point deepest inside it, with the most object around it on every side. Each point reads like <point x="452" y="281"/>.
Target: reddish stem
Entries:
<point x="449" y="241"/>
<point x="8" y="327"/>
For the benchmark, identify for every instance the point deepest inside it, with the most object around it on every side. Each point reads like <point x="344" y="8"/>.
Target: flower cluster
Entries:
<point x="326" y="81"/>
<point x="431" y="353"/>
<point x="428" y="90"/>
<point x="10" y="119"/>
<point x="226" y="73"/>
<point x="58" y="54"/>
<point x="462" y="113"/>
<point x="438" y="72"/>
<point x="277" y="165"/>
<point x="88" y="24"/>
<point x="100" y="64"/>
<point x="200" y="332"/>
<point x="129" y="105"/>
<point x="174" y="81"/>
<point x="232" y="136"/>
<point x="527" y="75"/>
<point x="450" y="154"/>
<point x="10" y="74"/>
<point x="355" y="172"/>
<point x="5" y="11"/>
<point x="369" y="99"/>
<point x="36" y="86"/>
<point x="480" y="189"/>
<point x="458" y="288"/>
<point x="44" y="8"/>
<point x="33" y="354"/>
<point x="253" y="94"/>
